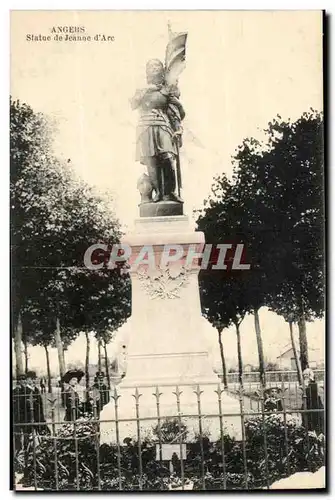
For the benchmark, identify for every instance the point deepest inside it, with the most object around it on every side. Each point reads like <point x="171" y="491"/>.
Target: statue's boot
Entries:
<point x="170" y="183"/>
<point x="175" y="197"/>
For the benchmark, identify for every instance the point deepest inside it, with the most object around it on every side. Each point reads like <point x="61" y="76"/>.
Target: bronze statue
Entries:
<point x="159" y="131"/>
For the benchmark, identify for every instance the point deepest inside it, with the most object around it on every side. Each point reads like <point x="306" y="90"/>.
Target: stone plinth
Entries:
<point x="161" y="208"/>
<point x="167" y="343"/>
<point x="167" y="346"/>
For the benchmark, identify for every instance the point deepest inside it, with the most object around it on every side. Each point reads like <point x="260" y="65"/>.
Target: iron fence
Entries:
<point x="286" y="381"/>
<point x="271" y="376"/>
<point x="274" y="441"/>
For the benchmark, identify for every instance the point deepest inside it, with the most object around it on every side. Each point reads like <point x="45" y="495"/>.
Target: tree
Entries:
<point x="30" y="139"/>
<point x="39" y="330"/>
<point x="223" y="304"/>
<point x="18" y="346"/>
<point x="295" y="353"/>
<point x="263" y="207"/>
<point x="223" y="361"/>
<point x="104" y="337"/>
<point x="223" y="293"/>
<point x="106" y="364"/>
<point x="232" y="216"/>
<point x="250" y="212"/>
<point x="55" y="218"/>
<point x="37" y="184"/>
<point x="87" y="359"/>
<point x="299" y="212"/>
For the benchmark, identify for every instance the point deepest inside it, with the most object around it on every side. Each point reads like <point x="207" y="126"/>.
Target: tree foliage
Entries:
<point x="274" y="204"/>
<point x="55" y="218"/>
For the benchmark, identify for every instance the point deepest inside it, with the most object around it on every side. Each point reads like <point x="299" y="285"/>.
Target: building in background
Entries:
<point x="286" y="359"/>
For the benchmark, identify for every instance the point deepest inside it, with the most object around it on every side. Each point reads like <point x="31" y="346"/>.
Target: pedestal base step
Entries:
<point x="161" y="208"/>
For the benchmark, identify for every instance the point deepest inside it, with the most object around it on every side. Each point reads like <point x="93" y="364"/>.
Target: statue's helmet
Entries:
<point x="155" y="71"/>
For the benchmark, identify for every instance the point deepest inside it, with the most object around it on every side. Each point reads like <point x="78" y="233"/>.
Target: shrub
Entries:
<point x="170" y="430"/>
<point x="70" y="441"/>
<point x="303" y="450"/>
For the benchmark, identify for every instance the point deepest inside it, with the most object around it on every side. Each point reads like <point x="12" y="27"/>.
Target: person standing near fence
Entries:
<point x="314" y="419"/>
<point x="19" y="411"/>
<point x="272" y="400"/>
<point x="28" y="411"/>
<point x="36" y="404"/>
<point x="99" y="393"/>
<point x="73" y="406"/>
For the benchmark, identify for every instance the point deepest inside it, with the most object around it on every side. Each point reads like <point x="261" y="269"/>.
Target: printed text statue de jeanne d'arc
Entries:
<point x="159" y="131"/>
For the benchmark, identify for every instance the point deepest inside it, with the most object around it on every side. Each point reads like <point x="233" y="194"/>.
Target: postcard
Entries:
<point x="167" y="250"/>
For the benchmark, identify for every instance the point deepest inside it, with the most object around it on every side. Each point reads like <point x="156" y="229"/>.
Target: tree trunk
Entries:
<point x="107" y="367"/>
<point x="223" y="361"/>
<point x="239" y="354"/>
<point x="87" y="360"/>
<point x="260" y="349"/>
<point x="303" y="342"/>
<point x="18" y="346"/>
<point x="99" y="354"/>
<point x="60" y="350"/>
<point x="48" y="368"/>
<point x="25" y="343"/>
<point x="296" y="357"/>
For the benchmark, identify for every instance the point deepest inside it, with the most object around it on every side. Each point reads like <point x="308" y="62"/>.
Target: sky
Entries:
<point x="242" y="69"/>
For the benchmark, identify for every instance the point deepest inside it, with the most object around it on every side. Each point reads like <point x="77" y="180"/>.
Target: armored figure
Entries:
<point x="159" y="131"/>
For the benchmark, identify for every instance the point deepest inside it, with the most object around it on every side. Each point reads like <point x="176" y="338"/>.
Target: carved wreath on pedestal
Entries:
<point x="164" y="282"/>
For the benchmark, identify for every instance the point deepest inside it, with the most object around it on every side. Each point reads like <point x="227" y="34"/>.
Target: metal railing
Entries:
<point x="270" y="376"/>
<point x="53" y="454"/>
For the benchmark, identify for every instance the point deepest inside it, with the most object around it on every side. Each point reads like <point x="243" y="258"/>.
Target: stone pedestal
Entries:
<point x="166" y="344"/>
<point x="167" y="347"/>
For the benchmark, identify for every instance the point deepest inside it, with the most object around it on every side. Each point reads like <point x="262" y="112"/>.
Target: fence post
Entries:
<point x="54" y="438"/>
<point x="178" y="394"/>
<point x="266" y="458"/>
<point x="33" y="434"/>
<point x="157" y="395"/>
<point x="96" y="426"/>
<point x="116" y="397"/>
<point x="219" y="392"/>
<point x="282" y="398"/>
<point x="198" y="393"/>
<point x="76" y="451"/>
<point x="305" y="418"/>
<point x="241" y="394"/>
<point x="137" y="396"/>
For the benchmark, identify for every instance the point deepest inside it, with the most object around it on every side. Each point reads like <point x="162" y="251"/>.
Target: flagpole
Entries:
<point x="178" y="172"/>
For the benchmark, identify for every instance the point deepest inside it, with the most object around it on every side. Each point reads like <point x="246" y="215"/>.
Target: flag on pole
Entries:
<point x="175" y="55"/>
<point x="174" y="64"/>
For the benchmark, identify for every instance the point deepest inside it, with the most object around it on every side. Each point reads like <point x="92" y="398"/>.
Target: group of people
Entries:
<point x="28" y="411"/>
<point x="78" y="404"/>
<point x="28" y="408"/>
